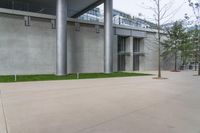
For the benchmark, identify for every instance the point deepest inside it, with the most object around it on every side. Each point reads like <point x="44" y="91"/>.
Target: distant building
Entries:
<point x="92" y="15"/>
<point x="119" y="17"/>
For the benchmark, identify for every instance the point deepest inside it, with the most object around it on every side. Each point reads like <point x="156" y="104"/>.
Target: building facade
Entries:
<point x="29" y="45"/>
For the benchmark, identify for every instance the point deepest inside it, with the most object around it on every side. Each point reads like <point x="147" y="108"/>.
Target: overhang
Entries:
<point x="75" y="7"/>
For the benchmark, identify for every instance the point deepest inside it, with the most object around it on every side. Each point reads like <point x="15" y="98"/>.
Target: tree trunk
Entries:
<point x="199" y="70"/>
<point x="195" y="64"/>
<point x="159" y="42"/>
<point x="199" y="61"/>
<point x="175" y="65"/>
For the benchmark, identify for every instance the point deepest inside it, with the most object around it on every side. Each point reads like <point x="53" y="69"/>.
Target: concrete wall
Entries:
<point x="149" y="61"/>
<point x="85" y="49"/>
<point x="26" y="50"/>
<point x="32" y="50"/>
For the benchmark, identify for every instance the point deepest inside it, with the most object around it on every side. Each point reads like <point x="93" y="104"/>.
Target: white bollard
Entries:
<point x="78" y="75"/>
<point x="15" y="78"/>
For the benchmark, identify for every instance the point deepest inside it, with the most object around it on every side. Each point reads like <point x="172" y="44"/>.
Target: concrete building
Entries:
<point x="125" y="19"/>
<point x="45" y="37"/>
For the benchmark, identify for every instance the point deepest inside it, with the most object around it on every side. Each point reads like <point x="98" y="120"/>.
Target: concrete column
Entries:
<point x="108" y="29"/>
<point x="61" y="24"/>
<point x="129" y="49"/>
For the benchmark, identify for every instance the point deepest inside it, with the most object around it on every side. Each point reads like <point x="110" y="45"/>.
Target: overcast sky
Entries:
<point x="134" y="7"/>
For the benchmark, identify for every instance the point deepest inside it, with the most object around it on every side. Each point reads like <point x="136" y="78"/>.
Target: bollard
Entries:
<point x="78" y="75"/>
<point x="15" y="78"/>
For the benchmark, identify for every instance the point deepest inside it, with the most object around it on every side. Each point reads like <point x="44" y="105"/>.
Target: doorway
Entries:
<point x="136" y="56"/>
<point x="121" y="55"/>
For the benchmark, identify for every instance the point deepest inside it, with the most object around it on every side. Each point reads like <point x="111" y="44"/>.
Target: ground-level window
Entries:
<point x="121" y="55"/>
<point x="136" y="57"/>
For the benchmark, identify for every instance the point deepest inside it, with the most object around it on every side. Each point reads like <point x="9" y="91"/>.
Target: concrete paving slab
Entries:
<point x="116" y="105"/>
<point x="2" y="118"/>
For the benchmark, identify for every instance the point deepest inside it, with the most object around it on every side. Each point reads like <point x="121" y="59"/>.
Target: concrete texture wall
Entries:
<point x="150" y="60"/>
<point x="32" y="50"/>
<point x="85" y="49"/>
<point x="26" y="50"/>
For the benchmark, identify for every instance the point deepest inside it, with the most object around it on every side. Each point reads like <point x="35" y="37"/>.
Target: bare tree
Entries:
<point x="162" y="15"/>
<point x="157" y="2"/>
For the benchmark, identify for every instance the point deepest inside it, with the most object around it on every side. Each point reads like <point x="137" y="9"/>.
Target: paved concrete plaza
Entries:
<point x="117" y="105"/>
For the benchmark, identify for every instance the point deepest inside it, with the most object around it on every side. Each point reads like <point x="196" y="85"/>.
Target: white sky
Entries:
<point x="134" y="7"/>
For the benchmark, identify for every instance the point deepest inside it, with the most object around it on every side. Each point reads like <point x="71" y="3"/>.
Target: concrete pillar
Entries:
<point x="129" y="49"/>
<point x="61" y="24"/>
<point x="108" y="29"/>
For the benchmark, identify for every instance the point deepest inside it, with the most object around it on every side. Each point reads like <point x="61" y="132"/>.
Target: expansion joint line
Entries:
<point x="3" y="109"/>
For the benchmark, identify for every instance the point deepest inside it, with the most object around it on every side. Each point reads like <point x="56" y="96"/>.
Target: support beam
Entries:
<point x="108" y="29"/>
<point x="61" y="22"/>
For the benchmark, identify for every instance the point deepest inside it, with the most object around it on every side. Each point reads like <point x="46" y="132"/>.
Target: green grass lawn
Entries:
<point x="24" y="78"/>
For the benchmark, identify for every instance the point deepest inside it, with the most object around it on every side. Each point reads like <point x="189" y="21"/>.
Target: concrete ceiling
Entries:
<point x="75" y="7"/>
